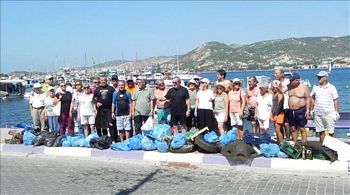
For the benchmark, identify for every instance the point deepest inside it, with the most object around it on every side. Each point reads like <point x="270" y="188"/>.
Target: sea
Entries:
<point x="16" y="110"/>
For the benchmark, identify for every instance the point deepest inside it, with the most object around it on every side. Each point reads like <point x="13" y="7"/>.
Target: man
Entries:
<point x="121" y="111"/>
<point x="95" y="84"/>
<point x="103" y="97"/>
<point x="76" y="94"/>
<point x="252" y="94"/>
<point x="115" y="82"/>
<point x="130" y="87"/>
<point x="325" y="105"/>
<point x="279" y="76"/>
<point x="221" y="76"/>
<point x="48" y="83"/>
<point x="299" y="105"/>
<point x="162" y="105"/>
<point x="60" y="81"/>
<point x="142" y="106"/>
<point x="179" y="105"/>
<point x="37" y="105"/>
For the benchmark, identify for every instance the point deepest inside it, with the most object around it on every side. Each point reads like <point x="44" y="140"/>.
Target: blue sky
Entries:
<point x="49" y="35"/>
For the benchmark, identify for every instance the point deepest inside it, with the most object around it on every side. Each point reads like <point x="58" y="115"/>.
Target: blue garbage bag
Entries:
<point x="160" y="131"/>
<point x="28" y="138"/>
<point x="67" y="141"/>
<point x="162" y="146"/>
<point x="25" y="126"/>
<point x="89" y="137"/>
<point x="120" y="147"/>
<point x="134" y="143"/>
<point x="281" y="154"/>
<point x="178" y="141"/>
<point x="211" y="137"/>
<point x="269" y="150"/>
<point x="229" y="137"/>
<point x="76" y="140"/>
<point x="148" y="144"/>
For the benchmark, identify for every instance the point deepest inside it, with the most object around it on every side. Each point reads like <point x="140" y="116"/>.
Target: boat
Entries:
<point x="12" y="87"/>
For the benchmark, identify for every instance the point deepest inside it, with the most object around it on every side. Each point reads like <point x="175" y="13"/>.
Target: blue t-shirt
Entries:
<point x="122" y="101"/>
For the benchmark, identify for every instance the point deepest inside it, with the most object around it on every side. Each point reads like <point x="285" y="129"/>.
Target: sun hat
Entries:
<point x="37" y="85"/>
<point x="49" y="76"/>
<point x="236" y="80"/>
<point x="192" y="81"/>
<point x="205" y="80"/>
<point x="51" y="88"/>
<point x="322" y="73"/>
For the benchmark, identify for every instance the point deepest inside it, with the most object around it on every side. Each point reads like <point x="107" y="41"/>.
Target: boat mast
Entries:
<point x="177" y="60"/>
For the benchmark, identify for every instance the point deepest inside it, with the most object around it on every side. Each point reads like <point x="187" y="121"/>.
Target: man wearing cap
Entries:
<point x="48" y="83"/>
<point x="325" y="105"/>
<point x="130" y="86"/>
<point x="37" y="105"/>
<point x="299" y="105"/>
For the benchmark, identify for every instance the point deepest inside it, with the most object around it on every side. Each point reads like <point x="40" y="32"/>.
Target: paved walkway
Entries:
<point x="58" y="175"/>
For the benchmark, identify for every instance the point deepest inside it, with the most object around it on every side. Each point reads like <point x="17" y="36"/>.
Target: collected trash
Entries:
<point x="162" y="146"/>
<point x="101" y="143"/>
<point x="291" y="149"/>
<point x="211" y="137"/>
<point x="269" y="150"/>
<point x="148" y="144"/>
<point x="28" y="138"/>
<point x="160" y="131"/>
<point x="191" y="132"/>
<point x="178" y="141"/>
<point x="229" y="137"/>
<point x="257" y="139"/>
<point x="238" y="151"/>
<point x="204" y="146"/>
<point x="120" y="147"/>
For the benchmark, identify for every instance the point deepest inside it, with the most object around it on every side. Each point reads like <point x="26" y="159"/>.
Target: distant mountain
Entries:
<point x="214" y="55"/>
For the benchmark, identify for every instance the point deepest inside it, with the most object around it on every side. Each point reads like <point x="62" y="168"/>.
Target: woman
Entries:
<point x="66" y="120"/>
<point x="87" y="110"/>
<point x="204" y="105"/>
<point x="237" y="103"/>
<point x="52" y="118"/>
<point x="263" y="108"/>
<point x="277" y="113"/>
<point x="221" y="107"/>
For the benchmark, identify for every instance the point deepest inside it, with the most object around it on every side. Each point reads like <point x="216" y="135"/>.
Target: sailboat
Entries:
<point x="330" y="67"/>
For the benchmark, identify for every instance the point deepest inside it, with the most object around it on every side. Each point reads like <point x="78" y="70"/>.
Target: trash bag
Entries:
<point x="88" y="139"/>
<point x="100" y="143"/>
<point x="39" y="140"/>
<point x="257" y="139"/>
<point x="191" y="132"/>
<point x="25" y="126"/>
<point x="148" y="125"/>
<point x="160" y="131"/>
<point x="134" y="143"/>
<point x="178" y="141"/>
<point x="58" y="141"/>
<point x="228" y="137"/>
<point x="211" y="137"/>
<point x="148" y="144"/>
<point x="269" y="150"/>
<point x="66" y="142"/>
<point x="281" y="154"/>
<point x="28" y="138"/>
<point x="49" y="142"/>
<point x="76" y="140"/>
<point x="120" y="147"/>
<point x="238" y="151"/>
<point x="162" y="146"/>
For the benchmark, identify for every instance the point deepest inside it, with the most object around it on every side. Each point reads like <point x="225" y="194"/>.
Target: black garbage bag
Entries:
<point x="44" y="137"/>
<point x="49" y="141"/>
<point x="58" y="141"/>
<point x="38" y="140"/>
<point x="238" y="152"/>
<point x="101" y="143"/>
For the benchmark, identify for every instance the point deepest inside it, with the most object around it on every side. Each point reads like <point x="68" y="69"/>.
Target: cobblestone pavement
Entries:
<point x="49" y="175"/>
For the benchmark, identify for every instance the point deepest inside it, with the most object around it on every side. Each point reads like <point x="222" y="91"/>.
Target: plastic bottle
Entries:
<point x="303" y="153"/>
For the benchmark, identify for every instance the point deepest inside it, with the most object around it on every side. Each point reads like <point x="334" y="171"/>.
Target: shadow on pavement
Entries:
<point x="139" y="184"/>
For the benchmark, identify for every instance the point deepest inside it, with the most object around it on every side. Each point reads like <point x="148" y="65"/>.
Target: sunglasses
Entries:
<point x="221" y="88"/>
<point x="86" y="87"/>
<point x="63" y="85"/>
<point x="174" y="82"/>
<point x="96" y="82"/>
<point x="50" y="79"/>
<point x="237" y="83"/>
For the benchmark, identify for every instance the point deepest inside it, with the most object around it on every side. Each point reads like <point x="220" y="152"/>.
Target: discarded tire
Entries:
<point x="184" y="149"/>
<point x="204" y="146"/>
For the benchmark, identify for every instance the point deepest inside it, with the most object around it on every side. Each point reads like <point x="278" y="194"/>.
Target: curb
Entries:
<point x="191" y="158"/>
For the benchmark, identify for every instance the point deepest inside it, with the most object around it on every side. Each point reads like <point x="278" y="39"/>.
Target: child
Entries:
<point x="264" y="105"/>
<point x="277" y="114"/>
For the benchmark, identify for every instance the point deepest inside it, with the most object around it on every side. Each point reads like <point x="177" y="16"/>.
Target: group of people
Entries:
<point x="122" y="106"/>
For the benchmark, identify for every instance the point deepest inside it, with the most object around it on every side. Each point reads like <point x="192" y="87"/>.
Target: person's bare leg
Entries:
<point x="127" y="135"/>
<point x="221" y="128"/>
<point x="121" y="137"/>
<point x="240" y="131"/>
<point x="255" y="127"/>
<point x="322" y="136"/>
<point x="176" y="130"/>
<point x="287" y="130"/>
<point x="294" y="134"/>
<point x="278" y="133"/>
<point x="303" y="135"/>
<point x="86" y="130"/>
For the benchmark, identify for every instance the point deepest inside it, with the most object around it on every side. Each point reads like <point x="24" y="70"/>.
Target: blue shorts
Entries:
<point x="297" y="118"/>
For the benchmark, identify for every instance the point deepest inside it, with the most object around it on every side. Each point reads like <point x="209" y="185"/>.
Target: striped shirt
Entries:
<point x="324" y="97"/>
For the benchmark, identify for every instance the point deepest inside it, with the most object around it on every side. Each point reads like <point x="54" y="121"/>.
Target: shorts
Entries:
<point x="87" y="120"/>
<point x="235" y="119"/>
<point x="325" y="122"/>
<point x="162" y="115"/>
<point x="286" y="114"/>
<point x="297" y="118"/>
<point x="264" y="123"/>
<point x="251" y="116"/>
<point x="220" y="117"/>
<point x="280" y="118"/>
<point x="103" y="118"/>
<point x="123" y="123"/>
<point x="178" y="120"/>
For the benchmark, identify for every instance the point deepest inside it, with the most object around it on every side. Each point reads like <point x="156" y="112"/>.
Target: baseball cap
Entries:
<point x="236" y="80"/>
<point x="129" y="78"/>
<point x="205" y="80"/>
<point x="294" y="76"/>
<point x="114" y="77"/>
<point x="48" y="76"/>
<point x="51" y="88"/>
<point x="192" y="81"/>
<point x="220" y="84"/>
<point x="37" y="85"/>
<point x="322" y="73"/>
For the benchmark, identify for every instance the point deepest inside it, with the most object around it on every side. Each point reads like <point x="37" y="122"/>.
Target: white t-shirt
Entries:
<point x="37" y="99"/>
<point x="324" y="99"/>
<point x="49" y="104"/>
<point x="264" y="107"/>
<point x="86" y="105"/>
<point x="205" y="99"/>
<point x="285" y="83"/>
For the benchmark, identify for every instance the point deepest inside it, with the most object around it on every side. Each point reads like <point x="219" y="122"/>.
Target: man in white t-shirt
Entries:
<point x="37" y="105"/>
<point x="325" y="105"/>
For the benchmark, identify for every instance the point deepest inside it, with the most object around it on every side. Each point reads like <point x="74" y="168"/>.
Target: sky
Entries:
<point x="46" y="36"/>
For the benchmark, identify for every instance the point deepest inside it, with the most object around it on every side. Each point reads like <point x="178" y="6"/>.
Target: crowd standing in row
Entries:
<point x="123" y="107"/>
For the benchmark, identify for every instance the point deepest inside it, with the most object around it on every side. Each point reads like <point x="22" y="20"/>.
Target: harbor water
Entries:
<point x="16" y="110"/>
